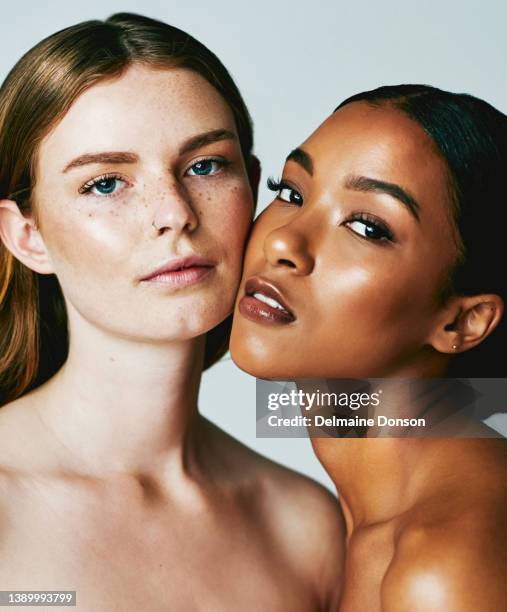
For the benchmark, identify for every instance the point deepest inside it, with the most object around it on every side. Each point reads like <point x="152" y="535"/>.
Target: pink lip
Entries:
<point x="182" y="272"/>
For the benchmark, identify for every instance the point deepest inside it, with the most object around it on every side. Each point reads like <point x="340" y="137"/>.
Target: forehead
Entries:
<point x="380" y="142"/>
<point x="141" y="109"/>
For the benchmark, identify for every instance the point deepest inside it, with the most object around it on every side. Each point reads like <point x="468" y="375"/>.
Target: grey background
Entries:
<point x="294" y="62"/>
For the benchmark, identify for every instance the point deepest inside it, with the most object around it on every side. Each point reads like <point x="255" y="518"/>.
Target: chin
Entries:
<point x="260" y="364"/>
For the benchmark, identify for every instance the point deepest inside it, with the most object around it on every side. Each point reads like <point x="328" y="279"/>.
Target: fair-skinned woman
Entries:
<point x="380" y="258"/>
<point x="127" y="175"/>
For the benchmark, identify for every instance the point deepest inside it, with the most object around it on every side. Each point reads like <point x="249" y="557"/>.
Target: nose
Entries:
<point x="175" y="212"/>
<point x="287" y="246"/>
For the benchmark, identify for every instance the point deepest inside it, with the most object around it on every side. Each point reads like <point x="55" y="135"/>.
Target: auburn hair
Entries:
<point x="36" y="94"/>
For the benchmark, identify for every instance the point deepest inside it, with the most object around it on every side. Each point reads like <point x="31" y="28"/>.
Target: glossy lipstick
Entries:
<point x="263" y="302"/>
<point x="181" y="273"/>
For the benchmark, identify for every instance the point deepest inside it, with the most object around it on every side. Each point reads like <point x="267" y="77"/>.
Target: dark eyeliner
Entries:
<point x="278" y="186"/>
<point x="373" y="221"/>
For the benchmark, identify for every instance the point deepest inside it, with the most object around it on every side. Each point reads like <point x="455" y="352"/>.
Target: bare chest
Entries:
<point x="123" y="557"/>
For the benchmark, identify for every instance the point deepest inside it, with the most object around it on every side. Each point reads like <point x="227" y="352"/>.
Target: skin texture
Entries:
<point x="126" y="493"/>
<point x="417" y="539"/>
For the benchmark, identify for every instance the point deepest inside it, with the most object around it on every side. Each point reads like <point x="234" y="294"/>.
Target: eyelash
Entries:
<point x="223" y="163"/>
<point x="86" y="189"/>
<point x="279" y="186"/>
<point x="366" y="218"/>
<point x="372" y="221"/>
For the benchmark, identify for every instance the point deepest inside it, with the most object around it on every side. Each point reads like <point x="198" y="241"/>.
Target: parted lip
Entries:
<point x="179" y="264"/>
<point x="257" y="284"/>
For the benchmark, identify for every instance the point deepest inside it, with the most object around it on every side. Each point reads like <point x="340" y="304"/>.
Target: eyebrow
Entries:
<point x="124" y="157"/>
<point x="302" y="158"/>
<point x="105" y="157"/>
<point x="364" y="183"/>
<point x="201" y="140"/>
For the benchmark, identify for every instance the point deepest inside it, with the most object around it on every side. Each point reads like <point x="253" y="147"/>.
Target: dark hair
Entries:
<point x="33" y="98"/>
<point x="471" y="136"/>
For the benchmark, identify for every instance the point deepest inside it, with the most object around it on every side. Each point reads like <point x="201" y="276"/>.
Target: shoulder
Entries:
<point x="311" y="504"/>
<point x="20" y="429"/>
<point x="308" y="526"/>
<point x="454" y="567"/>
<point x="302" y="518"/>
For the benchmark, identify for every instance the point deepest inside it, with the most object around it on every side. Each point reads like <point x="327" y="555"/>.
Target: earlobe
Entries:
<point x="22" y="238"/>
<point x="467" y="322"/>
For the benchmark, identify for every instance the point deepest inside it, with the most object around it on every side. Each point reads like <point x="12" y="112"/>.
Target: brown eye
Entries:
<point x="285" y="192"/>
<point x="370" y="228"/>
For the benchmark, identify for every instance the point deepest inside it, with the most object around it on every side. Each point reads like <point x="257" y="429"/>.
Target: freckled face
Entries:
<point x="125" y="187"/>
<point x="356" y="263"/>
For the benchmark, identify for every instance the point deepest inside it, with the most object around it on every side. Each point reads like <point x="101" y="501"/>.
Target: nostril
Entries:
<point x="287" y="262"/>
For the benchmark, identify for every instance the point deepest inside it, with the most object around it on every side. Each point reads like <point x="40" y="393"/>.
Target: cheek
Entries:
<point x="90" y="239"/>
<point x="227" y="219"/>
<point x="367" y="319"/>
<point x="370" y="300"/>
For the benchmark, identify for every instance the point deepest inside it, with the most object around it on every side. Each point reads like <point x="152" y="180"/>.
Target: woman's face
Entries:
<point x="343" y="270"/>
<point x="143" y="203"/>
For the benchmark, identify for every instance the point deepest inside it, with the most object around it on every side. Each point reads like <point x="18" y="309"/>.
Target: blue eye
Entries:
<point x="106" y="186"/>
<point x="102" y="186"/>
<point x="205" y="167"/>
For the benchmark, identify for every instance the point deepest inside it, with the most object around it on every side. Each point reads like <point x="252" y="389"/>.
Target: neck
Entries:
<point x="379" y="478"/>
<point x="122" y="405"/>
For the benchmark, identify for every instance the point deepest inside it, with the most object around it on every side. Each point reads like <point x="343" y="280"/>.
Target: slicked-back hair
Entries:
<point x="471" y="137"/>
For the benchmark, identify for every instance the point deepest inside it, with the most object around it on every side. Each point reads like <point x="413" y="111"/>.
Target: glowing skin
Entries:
<point x="343" y="281"/>
<point x="128" y="495"/>
<point x="352" y="314"/>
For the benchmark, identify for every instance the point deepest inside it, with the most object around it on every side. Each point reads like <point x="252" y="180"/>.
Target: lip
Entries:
<point x="181" y="272"/>
<point x="260" y="312"/>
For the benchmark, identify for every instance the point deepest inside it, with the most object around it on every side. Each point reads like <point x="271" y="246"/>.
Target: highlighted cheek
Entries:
<point x="353" y="280"/>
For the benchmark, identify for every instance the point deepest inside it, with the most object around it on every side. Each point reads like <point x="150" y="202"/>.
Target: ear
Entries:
<point x="466" y="322"/>
<point x="22" y="238"/>
<point x="254" y="177"/>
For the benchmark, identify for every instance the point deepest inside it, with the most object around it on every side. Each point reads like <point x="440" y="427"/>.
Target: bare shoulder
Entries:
<point x="456" y="565"/>
<point x="303" y="519"/>
<point x="312" y="505"/>
<point x="22" y="434"/>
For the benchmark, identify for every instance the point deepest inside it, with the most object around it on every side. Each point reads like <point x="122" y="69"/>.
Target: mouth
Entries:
<point x="182" y="272"/>
<point x="263" y="302"/>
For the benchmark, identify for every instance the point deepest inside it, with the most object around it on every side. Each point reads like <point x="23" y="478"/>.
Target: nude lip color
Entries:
<point x="181" y="273"/>
<point x="264" y="303"/>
